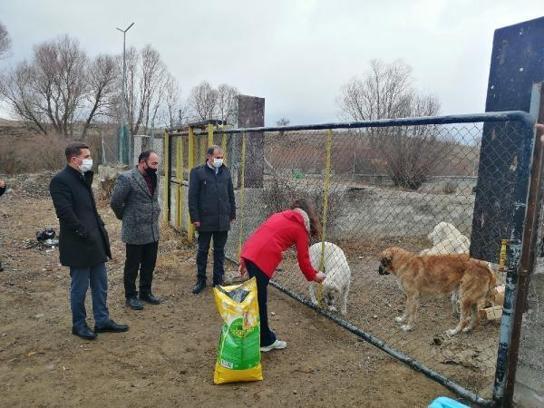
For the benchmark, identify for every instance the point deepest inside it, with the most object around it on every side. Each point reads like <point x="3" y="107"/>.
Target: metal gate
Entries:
<point x="386" y="183"/>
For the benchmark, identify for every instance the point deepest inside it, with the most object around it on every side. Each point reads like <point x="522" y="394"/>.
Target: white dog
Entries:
<point x="336" y="285"/>
<point x="446" y="239"/>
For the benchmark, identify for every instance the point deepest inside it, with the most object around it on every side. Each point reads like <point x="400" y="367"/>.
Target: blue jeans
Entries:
<point x="98" y="279"/>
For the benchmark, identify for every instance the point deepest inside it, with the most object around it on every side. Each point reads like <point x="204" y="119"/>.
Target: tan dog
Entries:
<point x="419" y="274"/>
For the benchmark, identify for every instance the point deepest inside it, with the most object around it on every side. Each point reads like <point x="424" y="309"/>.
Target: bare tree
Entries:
<point x="102" y="77"/>
<point x="382" y="93"/>
<point x="183" y="114"/>
<point x="154" y="77"/>
<point x="5" y="41"/>
<point x="203" y="101"/>
<point x="172" y="100"/>
<point x="21" y="96"/>
<point x="227" y="103"/>
<point x="48" y="91"/>
<point x="176" y="111"/>
<point x="283" y="122"/>
<point x="410" y="154"/>
<point x="146" y="86"/>
<point x="60" y="71"/>
<point x="59" y="90"/>
<point x="207" y="102"/>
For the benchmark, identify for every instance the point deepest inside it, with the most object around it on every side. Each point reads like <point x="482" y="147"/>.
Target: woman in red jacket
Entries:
<point x="262" y="253"/>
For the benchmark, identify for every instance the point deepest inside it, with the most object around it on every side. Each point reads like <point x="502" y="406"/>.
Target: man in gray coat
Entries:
<point x="135" y="201"/>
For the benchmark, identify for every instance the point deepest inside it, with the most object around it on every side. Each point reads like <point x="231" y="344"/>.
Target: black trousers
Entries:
<point x="267" y="336"/>
<point x="143" y="258"/>
<point x="219" y="241"/>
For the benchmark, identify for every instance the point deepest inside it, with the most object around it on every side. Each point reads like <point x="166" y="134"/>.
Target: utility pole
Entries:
<point x="124" y="137"/>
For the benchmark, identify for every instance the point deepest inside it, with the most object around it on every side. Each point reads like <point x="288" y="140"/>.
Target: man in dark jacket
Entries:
<point x="2" y="191"/>
<point x="135" y="201"/>
<point x="212" y="208"/>
<point x="83" y="241"/>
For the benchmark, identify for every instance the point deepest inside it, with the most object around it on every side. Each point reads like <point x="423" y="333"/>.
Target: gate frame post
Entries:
<point x="529" y="243"/>
<point x="166" y="186"/>
<point x="190" y="164"/>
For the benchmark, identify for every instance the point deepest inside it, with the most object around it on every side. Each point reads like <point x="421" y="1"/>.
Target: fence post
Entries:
<point x="179" y="179"/>
<point x="210" y="135"/>
<point x="242" y="193"/>
<point x="324" y="216"/>
<point x="224" y="144"/>
<point x="326" y="190"/>
<point x="166" y="181"/>
<point x="515" y="251"/>
<point x="102" y="147"/>
<point x="529" y="243"/>
<point x="190" y="165"/>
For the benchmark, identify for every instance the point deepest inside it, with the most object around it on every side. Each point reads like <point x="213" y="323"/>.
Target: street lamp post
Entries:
<point x="124" y="138"/>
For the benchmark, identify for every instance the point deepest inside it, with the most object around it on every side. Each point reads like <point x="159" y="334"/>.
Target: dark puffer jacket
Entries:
<point x="211" y="198"/>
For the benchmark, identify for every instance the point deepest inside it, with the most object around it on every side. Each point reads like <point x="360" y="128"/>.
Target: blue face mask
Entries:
<point x="217" y="163"/>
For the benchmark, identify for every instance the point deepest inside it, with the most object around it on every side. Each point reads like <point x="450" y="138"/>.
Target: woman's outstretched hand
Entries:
<point x="320" y="277"/>
<point x="242" y="268"/>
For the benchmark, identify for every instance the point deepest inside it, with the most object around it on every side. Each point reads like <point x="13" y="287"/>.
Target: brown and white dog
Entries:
<point x="420" y="274"/>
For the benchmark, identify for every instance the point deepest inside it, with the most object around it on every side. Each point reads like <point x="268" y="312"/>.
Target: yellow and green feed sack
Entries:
<point x="238" y="351"/>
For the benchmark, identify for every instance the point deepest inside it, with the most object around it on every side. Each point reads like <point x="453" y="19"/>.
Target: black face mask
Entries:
<point x="150" y="171"/>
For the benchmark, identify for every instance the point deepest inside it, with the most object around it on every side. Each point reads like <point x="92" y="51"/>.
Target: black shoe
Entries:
<point x="84" y="332"/>
<point x="112" y="327"/>
<point x="134" y="303"/>
<point x="199" y="287"/>
<point x="219" y="282"/>
<point x="1" y="269"/>
<point x="150" y="298"/>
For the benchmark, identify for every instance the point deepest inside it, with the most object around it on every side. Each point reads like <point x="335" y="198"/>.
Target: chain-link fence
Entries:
<point x="416" y="184"/>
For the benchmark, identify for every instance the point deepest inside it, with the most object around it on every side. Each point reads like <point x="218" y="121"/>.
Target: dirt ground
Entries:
<point x="167" y="357"/>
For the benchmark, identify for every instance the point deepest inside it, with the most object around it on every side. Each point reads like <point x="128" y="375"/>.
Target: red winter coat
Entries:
<point x="266" y="245"/>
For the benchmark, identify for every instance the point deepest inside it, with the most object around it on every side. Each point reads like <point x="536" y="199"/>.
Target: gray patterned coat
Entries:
<point x="132" y="203"/>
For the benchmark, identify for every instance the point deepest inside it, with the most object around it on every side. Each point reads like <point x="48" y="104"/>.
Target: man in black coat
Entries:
<point x="212" y="208"/>
<point x="83" y="241"/>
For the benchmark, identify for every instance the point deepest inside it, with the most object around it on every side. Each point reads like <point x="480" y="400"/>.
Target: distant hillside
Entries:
<point x="24" y="150"/>
<point x="13" y="128"/>
<point x="12" y="123"/>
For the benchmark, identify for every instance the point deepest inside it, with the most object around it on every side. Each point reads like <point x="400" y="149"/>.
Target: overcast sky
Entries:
<point x="296" y="54"/>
